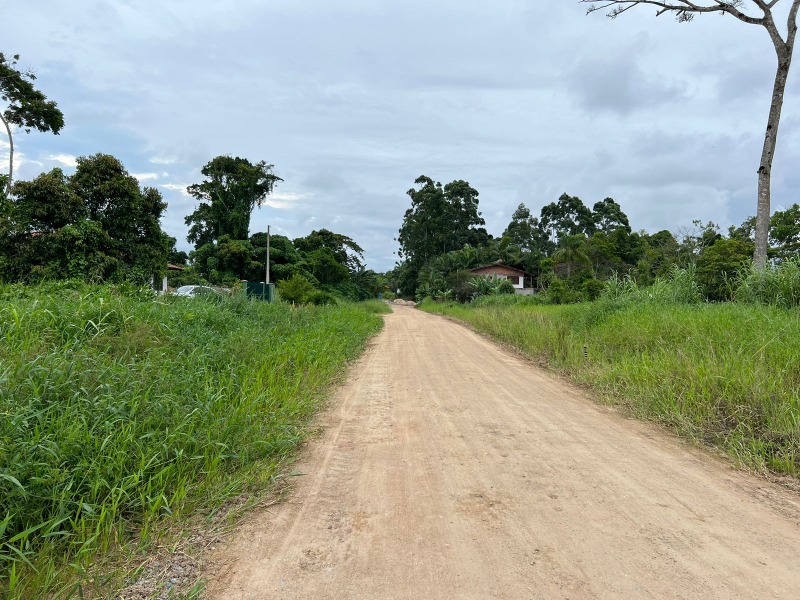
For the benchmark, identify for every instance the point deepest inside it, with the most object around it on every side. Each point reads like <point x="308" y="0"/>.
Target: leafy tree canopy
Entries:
<point x="343" y="249"/>
<point x="526" y="233"/>
<point x="784" y="232"/>
<point x="26" y="107"/>
<point x="568" y="216"/>
<point x="441" y="219"/>
<point x="232" y="189"/>
<point x="96" y="224"/>
<point x="607" y="216"/>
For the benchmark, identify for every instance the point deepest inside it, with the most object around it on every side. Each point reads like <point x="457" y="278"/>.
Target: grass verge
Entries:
<point x="118" y="413"/>
<point x="723" y="374"/>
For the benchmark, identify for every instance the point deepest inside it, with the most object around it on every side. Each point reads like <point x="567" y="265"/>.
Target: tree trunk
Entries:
<point x="767" y="154"/>
<point x="10" y="155"/>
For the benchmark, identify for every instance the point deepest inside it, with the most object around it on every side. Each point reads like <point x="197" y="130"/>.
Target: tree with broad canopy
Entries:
<point x="232" y="189"/>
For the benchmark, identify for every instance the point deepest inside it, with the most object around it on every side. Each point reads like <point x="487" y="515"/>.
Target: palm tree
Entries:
<point x="572" y="252"/>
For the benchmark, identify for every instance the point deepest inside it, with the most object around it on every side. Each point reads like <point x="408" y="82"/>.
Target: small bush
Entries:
<point x="318" y="298"/>
<point x="295" y="290"/>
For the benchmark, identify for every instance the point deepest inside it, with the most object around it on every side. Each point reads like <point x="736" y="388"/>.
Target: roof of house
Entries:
<point x="171" y="267"/>
<point x="499" y="263"/>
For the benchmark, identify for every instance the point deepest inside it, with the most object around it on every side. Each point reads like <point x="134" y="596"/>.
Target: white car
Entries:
<point x="194" y="291"/>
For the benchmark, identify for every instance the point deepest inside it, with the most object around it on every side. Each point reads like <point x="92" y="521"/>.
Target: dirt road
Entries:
<point x="450" y="468"/>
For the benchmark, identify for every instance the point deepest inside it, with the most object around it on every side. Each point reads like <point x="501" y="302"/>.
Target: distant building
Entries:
<point x="499" y="270"/>
<point x="161" y="287"/>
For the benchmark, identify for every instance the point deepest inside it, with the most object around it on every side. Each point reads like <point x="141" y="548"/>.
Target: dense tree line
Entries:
<point x="569" y="249"/>
<point x="97" y="224"/>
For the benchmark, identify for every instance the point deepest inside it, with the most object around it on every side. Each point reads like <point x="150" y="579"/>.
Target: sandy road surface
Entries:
<point x="450" y="468"/>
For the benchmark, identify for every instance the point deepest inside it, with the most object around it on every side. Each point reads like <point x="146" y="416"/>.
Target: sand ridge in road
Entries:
<point x="450" y="468"/>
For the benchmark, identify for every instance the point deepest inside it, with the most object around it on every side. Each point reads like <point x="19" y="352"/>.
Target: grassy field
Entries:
<point x="723" y="374"/>
<point x="118" y="412"/>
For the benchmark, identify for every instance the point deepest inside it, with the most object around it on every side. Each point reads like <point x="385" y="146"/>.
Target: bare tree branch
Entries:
<point x="684" y="9"/>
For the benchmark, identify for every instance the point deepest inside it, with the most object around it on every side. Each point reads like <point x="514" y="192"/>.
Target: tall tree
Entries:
<point x="27" y="107"/>
<point x="568" y="216"/>
<point x="526" y="233"/>
<point x="232" y="189"/>
<point x="607" y="216"/>
<point x="441" y="219"/>
<point x="783" y="42"/>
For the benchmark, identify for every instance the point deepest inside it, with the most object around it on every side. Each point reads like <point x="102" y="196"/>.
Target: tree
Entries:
<point x="568" y="216"/>
<point x="720" y="264"/>
<point x="441" y="219"/>
<point x="27" y="107"/>
<point x="343" y="249"/>
<point x="607" y="216"/>
<point x="232" y="189"/>
<point x="784" y="233"/>
<point x="95" y="224"/>
<point x="572" y="252"/>
<point x="526" y="233"/>
<point x="684" y="11"/>
<point x="283" y="256"/>
<point x="175" y="256"/>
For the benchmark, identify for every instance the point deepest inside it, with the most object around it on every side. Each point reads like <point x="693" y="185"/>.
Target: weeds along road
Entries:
<point x="450" y="468"/>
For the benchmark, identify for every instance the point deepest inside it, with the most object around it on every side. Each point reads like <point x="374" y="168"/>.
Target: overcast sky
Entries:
<point x="353" y="100"/>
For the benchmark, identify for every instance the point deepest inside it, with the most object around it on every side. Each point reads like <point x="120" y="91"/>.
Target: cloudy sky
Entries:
<point x="353" y="100"/>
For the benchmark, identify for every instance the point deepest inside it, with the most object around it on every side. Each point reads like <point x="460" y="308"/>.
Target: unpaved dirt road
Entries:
<point x="450" y="468"/>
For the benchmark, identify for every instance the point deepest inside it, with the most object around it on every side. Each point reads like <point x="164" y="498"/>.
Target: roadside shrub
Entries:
<point x="295" y="290"/>
<point x="680" y="287"/>
<point x="592" y="288"/>
<point x="510" y="300"/>
<point x="560" y="292"/>
<point x="318" y="298"/>
<point x="490" y="286"/>
<point x="378" y="307"/>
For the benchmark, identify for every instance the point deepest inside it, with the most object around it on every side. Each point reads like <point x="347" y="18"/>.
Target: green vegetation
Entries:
<point x="96" y="225"/>
<point x="724" y="374"/>
<point x="570" y="250"/>
<point x="26" y="107"/>
<point x="232" y="189"/>
<point x="120" y="411"/>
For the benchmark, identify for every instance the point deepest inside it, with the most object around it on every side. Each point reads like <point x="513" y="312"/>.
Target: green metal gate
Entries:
<point x="259" y="289"/>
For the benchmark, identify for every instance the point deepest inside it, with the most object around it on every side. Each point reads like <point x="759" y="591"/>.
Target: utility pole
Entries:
<point x="267" y="280"/>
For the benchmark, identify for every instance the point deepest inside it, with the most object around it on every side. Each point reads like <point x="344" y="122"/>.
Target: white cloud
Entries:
<point x="64" y="159"/>
<point x="284" y="201"/>
<point x="176" y="187"/>
<point x="160" y="160"/>
<point x="146" y="176"/>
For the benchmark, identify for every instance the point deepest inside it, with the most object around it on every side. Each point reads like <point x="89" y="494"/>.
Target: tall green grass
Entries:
<point x="724" y="374"/>
<point x="775" y="286"/>
<point x="118" y="411"/>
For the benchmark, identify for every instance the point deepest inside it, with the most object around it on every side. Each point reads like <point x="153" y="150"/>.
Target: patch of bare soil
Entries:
<point x="451" y="468"/>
